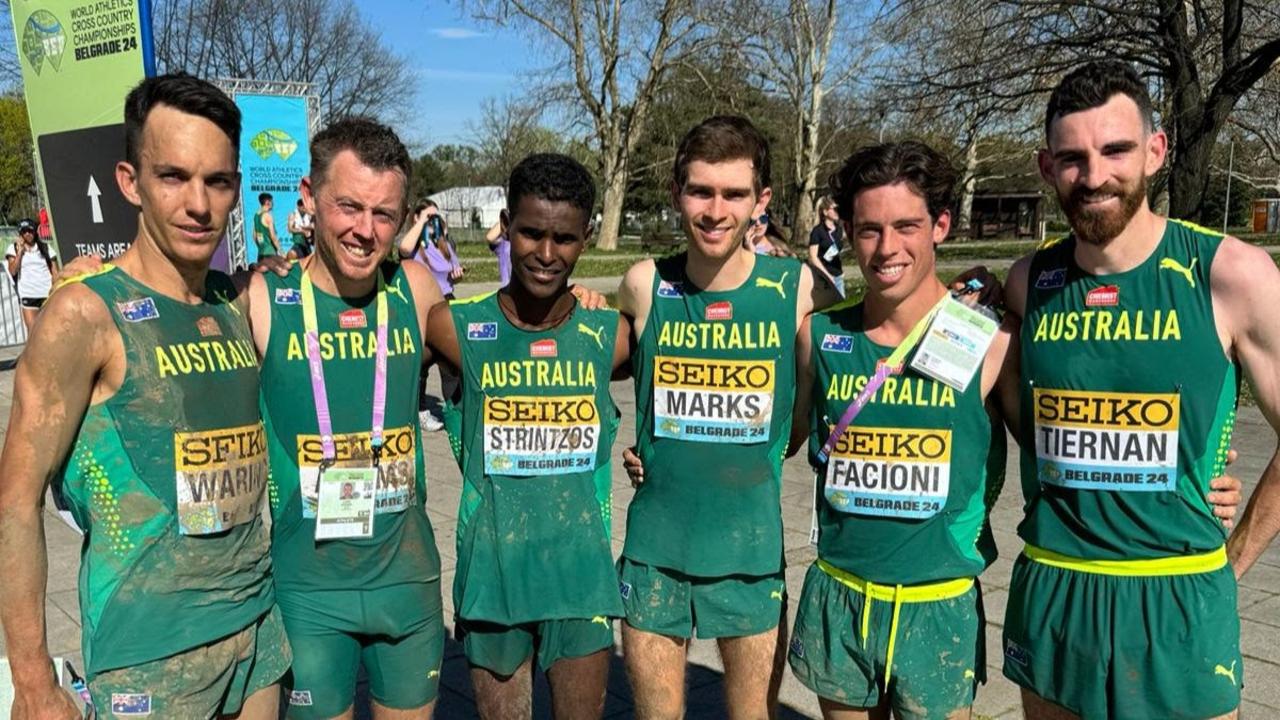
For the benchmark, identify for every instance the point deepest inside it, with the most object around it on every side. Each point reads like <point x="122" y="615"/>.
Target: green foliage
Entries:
<point x="17" y="182"/>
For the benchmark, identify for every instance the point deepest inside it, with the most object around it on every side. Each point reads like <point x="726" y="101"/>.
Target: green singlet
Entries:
<point x="1128" y="403"/>
<point x="402" y="548"/>
<point x="166" y="477"/>
<point x="537" y="429"/>
<point x="909" y="486"/>
<point x="715" y="385"/>
<point x="261" y="235"/>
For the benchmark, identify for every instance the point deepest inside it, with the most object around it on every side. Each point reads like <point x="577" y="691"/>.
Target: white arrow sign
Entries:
<point x="94" y="194"/>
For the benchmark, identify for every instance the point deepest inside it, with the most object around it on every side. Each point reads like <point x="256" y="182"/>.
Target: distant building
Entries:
<point x="1006" y="214"/>
<point x="471" y="207"/>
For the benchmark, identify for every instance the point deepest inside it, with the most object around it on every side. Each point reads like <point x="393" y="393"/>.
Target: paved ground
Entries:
<point x="1259" y="592"/>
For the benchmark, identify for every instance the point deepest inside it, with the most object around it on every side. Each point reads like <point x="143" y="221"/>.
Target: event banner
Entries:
<point x="79" y="59"/>
<point x="274" y="157"/>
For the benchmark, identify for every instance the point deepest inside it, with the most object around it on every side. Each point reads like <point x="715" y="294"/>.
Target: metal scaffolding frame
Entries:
<point x="246" y="86"/>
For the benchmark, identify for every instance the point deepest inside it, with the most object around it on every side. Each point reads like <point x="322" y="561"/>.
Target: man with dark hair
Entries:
<point x="890" y="615"/>
<point x="301" y="227"/>
<point x="535" y="571"/>
<point x="715" y="331"/>
<point x="264" y="227"/>
<point x="340" y="337"/>
<point x="140" y="387"/>
<point x="1123" y="603"/>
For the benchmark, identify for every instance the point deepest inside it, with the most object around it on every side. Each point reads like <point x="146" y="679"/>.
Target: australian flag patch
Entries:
<point x="288" y="296"/>
<point x="482" y="331"/>
<point x="138" y="310"/>
<point x="837" y="343"/>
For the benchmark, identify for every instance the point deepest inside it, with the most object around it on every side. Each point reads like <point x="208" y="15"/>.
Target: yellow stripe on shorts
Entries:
<point x="1152" y="567"/>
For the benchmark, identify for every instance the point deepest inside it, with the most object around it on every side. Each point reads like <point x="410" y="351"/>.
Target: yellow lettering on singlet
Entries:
<point x="913" y="391"/>
<point x="206" y="356"/>
<point x="722" y="335"/>
<point x="537" y="373"/>
<point x="1108" y="326"/>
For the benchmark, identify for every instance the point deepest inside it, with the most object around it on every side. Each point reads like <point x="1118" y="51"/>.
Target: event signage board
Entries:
<point x="274" y="157"/>
<point x="79" y="59"/>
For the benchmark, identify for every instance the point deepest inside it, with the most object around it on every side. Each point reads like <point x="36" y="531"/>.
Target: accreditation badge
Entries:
<point x="955" y="344"/>
<point x="345" y="499"/>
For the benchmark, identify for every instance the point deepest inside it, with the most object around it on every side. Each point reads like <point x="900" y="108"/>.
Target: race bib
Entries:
<point x="527" y="435"/>
<point x="396" y="488"/>
<point x="890" y="472"/>
<point x="1092" y="440"/>
<point x="220" y="475"/>
<point x="720" y="401"/>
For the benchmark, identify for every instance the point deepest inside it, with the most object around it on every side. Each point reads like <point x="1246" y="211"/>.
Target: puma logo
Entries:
<point x="1219" y="670"/>
<point x="775" y="284"/>
<point x="433" y="674"/>
<point x="595" y="334"/>
<point x="600" y="619"/>
<point x="776" y="595"/>
<point x="397" y="290"/>
<point x="1184" y="271"/>
<point x="221" y="295"/>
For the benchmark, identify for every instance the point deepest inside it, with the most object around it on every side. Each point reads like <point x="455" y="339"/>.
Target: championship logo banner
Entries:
<point x="79" y="59"/>
<point x="274" y="157"/>
<point x="1093" y="440"/>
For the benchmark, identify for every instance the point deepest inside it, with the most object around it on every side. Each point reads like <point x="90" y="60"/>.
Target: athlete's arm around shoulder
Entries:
<point x="816" y="292"/>
<point x="635" y="294"/>
<point x="74" y="356"/>
<point x="803" y="406"/>
<point x="623" y="345"/>
<point x="435" y="323"/>
<point x="1245" y="283"/>
<point x="1001" y="369"/>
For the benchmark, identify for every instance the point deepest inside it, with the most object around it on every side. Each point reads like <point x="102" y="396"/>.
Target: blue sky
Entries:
<point x="456" y="63"/>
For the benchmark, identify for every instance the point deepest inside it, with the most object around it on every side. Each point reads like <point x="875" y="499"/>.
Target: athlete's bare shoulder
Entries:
<point x="1243" y="279"/>
<point x="75" y="334"/>
<point x="1015" y="285"/>
<point x="634" y="294"/>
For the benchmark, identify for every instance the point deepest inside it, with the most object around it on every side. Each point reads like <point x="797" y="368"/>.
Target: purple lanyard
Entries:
<point x="323" y="419"/>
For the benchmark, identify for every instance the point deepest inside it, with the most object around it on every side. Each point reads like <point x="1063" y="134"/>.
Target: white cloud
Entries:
<point x="456" y="33"/>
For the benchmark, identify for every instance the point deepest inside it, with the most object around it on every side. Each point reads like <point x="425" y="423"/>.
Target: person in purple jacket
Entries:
<point x="427" y="241"/>
<point x="501" y="247"/>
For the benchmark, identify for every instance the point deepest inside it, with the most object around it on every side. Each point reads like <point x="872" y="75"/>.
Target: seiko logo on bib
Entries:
<point x="348" y="319"/>
<point x="722" y="310"/>
<point x="1104" y="296"/>
<point x="543" y="348"/>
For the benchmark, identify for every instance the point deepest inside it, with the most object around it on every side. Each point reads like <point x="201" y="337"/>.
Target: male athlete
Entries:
<point x="264" y="227"/>
<point x="1123" y="604"/>
<point x="890" y="616"/>
<point x="140" y="386"/>
<point x="340" y="338"/>
<point x="535" y="572"/>
<point x="715" y="380"/>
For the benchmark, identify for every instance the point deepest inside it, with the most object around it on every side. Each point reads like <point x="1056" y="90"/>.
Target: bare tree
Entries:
<point x="323" y="42"/>
<point x="507" y="131"/>
<point x="616" y="54"/>
<point x="1202" y="57"/>
<point x="802" y="55"/>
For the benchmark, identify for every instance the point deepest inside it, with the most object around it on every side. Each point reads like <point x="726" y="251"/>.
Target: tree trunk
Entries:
<point x="968" y="184"/>
<point x="615" y="188"/>
<point x="1189" y="176"/>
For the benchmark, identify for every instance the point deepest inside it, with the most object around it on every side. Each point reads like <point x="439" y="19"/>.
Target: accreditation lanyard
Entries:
<point x="896" y="358"/>
<point x="323" y="418"/>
